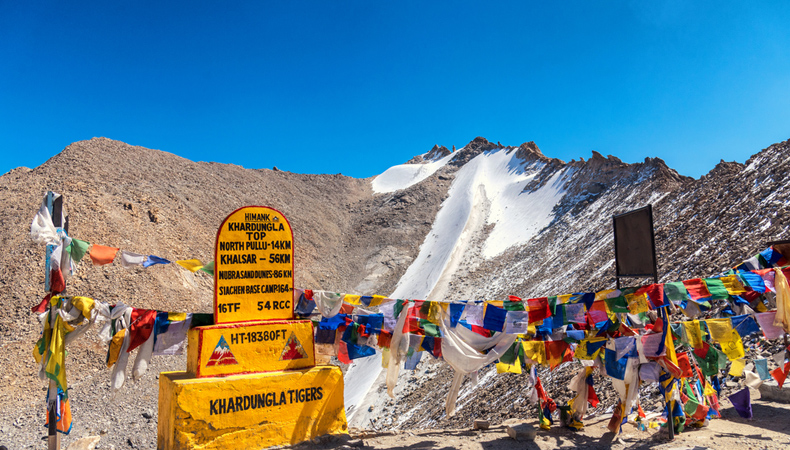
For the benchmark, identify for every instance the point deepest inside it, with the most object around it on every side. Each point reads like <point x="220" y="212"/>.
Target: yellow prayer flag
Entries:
<point x="192" y="265"/>
<point x="534" y="350"/>
<point x="353" y="299"/>
<point x="693" y="333"/>
<point x="583" y="352"/>
<point x="434" y="313"/>
<point x="378" y="300"/>
<point x="670" y="347"/>
<point x="602" y="295"/>
<point x="115" y="347"/>
<point x="176" y="317"/>
<point x="509" y="368"/>
<point x="720" y="329"/>
<point x="736" y="369"/>
<point x="56" y="363"/>
<point x="734" y="347"/>
<point x="84" y="304"/>
<point x="562" y="299"/>
<point x="637" y="303"/>
<point x="385" y="357"/>
<point x="733" y="285"/>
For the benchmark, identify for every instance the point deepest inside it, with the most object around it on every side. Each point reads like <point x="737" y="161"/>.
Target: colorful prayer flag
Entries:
<point x="77" y="249"/>
<point x="192" y="265"/>
<point x="742" y="402"/>
<point x="153" y="260"/>
<point x="101" y="255"/>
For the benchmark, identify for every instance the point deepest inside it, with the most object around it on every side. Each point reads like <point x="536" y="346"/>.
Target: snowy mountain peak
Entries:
<point x="503" y="197"/>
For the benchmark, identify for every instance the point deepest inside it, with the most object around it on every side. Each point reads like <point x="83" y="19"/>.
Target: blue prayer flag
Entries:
<point x="152" y="260"/>
<point x="494" y="318"/>
<point x="615" y="368"/>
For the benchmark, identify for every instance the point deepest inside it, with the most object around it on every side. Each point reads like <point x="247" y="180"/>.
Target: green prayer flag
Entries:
<point x="676" y="291"/>
<point x="77" y="249"/>
<point x="208" y="268"/>
<point x="430" y="328"/>
<point x="716" y="289"/>
<point x="511" y="354"/>
<point x="709" y="364"/>
<point x="399" y="307"/>
<point x="513" y="306"/>
<point x="721" y="358"/>
<point x="617" y="304"/>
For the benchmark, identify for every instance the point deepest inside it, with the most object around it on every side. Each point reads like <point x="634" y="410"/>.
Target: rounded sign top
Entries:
<point x="253" y="266"/>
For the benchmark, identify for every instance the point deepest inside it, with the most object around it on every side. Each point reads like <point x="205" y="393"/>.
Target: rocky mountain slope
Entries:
<point x="481" y="222"/>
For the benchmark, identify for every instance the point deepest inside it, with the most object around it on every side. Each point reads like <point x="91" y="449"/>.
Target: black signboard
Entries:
<point x="634" y="244"/>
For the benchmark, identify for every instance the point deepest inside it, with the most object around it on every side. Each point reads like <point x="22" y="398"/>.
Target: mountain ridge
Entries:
<point x="485" y="221"/>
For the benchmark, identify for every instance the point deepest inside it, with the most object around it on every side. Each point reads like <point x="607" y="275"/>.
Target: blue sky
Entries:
<point x="354" y="87"/>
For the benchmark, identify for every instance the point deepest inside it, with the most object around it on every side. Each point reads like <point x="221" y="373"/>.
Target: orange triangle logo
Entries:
<point x="222" y="356"/>
<point x="293" y="349"/>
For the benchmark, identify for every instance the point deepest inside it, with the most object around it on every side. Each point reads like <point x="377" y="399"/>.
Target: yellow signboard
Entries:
<point x="252" y="347"/>
<point x="249" y="411"/>
<point x="253" y="267"/>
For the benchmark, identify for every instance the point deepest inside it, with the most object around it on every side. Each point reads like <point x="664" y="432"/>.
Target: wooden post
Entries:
<point x="55" y="207"/>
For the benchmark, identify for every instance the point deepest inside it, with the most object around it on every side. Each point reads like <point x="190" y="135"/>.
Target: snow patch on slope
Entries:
<point x="516" y="215"/>
<point x="519" y="216"/>
<point x="402" y="176"/>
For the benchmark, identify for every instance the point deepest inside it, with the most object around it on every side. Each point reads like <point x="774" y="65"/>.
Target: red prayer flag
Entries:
<point x="592" y="397"/>
<point x="625" y="331"/>
<point x="702" y="352"/>
<point x="141" y="327"/>
<point x="780" y="375"/>
<point x="342" y="353"/>
<point x="750" y="296"/>
<point x="412" y="325"/>
<point x="56" y="282"/>
<point x="482" y="331"/>
<point x="437" y="347"/>
<point x="384" y="339"/>
<point x="669" y="366"/>
<point x="556" y="352"/>
<point x="41" y="307"/>
<point x="538" y="309"/>
<point x="696" y="288"/>
<point x="655" y="294"/>
<point x="539" y="389"/>
<point x="685" y="365"/>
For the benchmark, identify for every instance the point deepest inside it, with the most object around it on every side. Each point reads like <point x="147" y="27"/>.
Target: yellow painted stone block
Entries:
<point x="249" y="411"/>
<point x="252" y="347"/>
<point x="253" y="266"/>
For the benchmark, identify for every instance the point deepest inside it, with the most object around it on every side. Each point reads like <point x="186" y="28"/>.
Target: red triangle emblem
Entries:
<point x="222" y="356"/>
<point x="293" y="349"/>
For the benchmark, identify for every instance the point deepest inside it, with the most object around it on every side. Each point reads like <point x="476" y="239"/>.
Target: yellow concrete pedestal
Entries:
<point x="250" y="347"/>
<point x="249" y="411"/>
